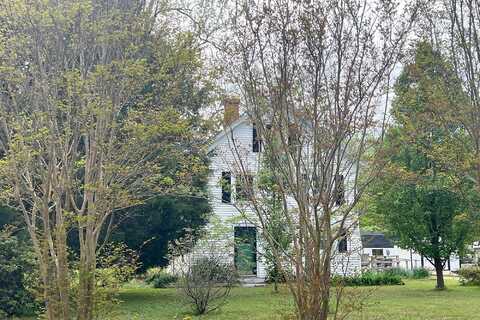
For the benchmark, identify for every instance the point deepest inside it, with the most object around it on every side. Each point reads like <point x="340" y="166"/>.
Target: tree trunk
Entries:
<point x="325" y="286"/>
<point x="86" y="298"/>
<point x="313" y="303"/>
<point x="439" y="274"/>
<point x="54" y="277"/>
<point x="63" y="279"/>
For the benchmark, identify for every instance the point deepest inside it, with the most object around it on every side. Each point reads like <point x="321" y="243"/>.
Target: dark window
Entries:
<point x="293" y="136"/>
<point x="377" y="252"/>
<point x="256" y="141"/>
<point x="226" y="187"/>
<point x="339" y="189"/>
<point x="342" y="243"/>
<point x="244" y="186"/>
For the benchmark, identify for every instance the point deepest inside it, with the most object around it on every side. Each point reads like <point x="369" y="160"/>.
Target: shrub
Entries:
<point x="116" y="265"/>
<point x="420" y="273"/>
<point x="368" y="278"/>
<point x="159" y="278"/>
<point x="16" y="262"/>
<point x="402" y="273"/>
<point x="274" y="275"/>
<point x="417" y="273"/>
<point x="470" y="276"/>
<point x="207" y="283"/>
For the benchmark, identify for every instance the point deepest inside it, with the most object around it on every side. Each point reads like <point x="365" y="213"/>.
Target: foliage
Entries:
<point x="121" y="260"/>
<point x="416" y="273"/>
<point x="16" y="262"/>
<point x="207" y="283"/>
<point x="117" y="264"/>
<point x="274" y="275"/>
<point x="276" y="232"/>
<point x="312" y="92"/>
<point x="420" y="273"/>
<point x="423" y="196"/>
<point x="159" y="277"/>
<point x="149" y="228"/>
<point x="84" y="132"/>
<point x="8" y="217"/>
<point x="460" y="23"/>
<point x="470" y="276"/>
<point x="368" y="278"/>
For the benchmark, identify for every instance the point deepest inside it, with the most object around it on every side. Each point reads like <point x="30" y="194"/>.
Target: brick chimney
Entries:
<point x="231" y="111"/>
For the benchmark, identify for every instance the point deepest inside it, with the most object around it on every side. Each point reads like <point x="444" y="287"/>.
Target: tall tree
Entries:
<point x="178" y="79"/>
<point x="311" y="74"/>
<point x="463" y="44"/>
<point x="78" y="140"/>
<point x="424" y="196"/>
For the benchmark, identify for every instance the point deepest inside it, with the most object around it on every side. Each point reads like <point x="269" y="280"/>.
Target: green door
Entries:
<point x="246" y="250"/>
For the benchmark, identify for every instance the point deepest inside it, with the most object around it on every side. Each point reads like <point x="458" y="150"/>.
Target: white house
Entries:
<point x="380" y="252"/>
<point x="356" y="251"/>
<point x="247" y="255"/>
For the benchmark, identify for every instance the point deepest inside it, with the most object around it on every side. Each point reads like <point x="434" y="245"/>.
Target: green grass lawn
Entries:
<point x="415" y="300"/>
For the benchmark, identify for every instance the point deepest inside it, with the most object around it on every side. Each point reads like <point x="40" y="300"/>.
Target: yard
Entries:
<point x="415" y="300"/>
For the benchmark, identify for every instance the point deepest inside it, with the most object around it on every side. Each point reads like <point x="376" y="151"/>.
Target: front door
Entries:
<point x="246" y="250"/>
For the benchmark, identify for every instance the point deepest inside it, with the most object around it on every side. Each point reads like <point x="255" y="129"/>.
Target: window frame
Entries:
<point x="226" y="179"/>
<point x="256" y="141"/>
<point x="342" y="245"/>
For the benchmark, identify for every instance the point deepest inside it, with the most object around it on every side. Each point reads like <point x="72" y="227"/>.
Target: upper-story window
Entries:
<point x="256" y="141"/>
<point x="244" y="187"/>
<point x="339" y="189"/>
<point x="226" y="187"/>
<point x="342" y="242"/>
<point x="293" y="136"/>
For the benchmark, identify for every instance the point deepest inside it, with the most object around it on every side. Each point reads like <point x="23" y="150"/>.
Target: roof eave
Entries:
<point x="226" y="131"/>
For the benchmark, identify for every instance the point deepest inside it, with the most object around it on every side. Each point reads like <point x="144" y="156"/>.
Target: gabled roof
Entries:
<point x="224" y="132"/>
<point x="375" y="240"/>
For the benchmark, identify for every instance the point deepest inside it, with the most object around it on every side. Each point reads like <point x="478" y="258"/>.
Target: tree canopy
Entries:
<point x="424" y="196"/>
<point x="90" y="124"/>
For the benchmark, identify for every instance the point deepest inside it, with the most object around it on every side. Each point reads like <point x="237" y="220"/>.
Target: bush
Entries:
<point x="402" y="273"/>
<point x="420" y="273"/>
<point x="470" y="276"/>
<point x="16" y="263"/>
<point x="207" y="283"/>
<point x="368" y="278"/>
<point x="159" y="278"/>
<point x="116" y="265"/>
<point x="274" y="275"/>
<point x="417" y="273"/>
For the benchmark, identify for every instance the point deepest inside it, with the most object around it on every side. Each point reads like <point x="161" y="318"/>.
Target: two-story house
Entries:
<point x="247" y="255"/>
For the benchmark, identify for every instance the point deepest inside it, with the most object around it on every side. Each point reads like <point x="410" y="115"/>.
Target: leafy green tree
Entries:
<point x="150" y="228"/>
<point x="177" y="79"/>
<point x="81" y="136"/>
<point x="423" y="196"/>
